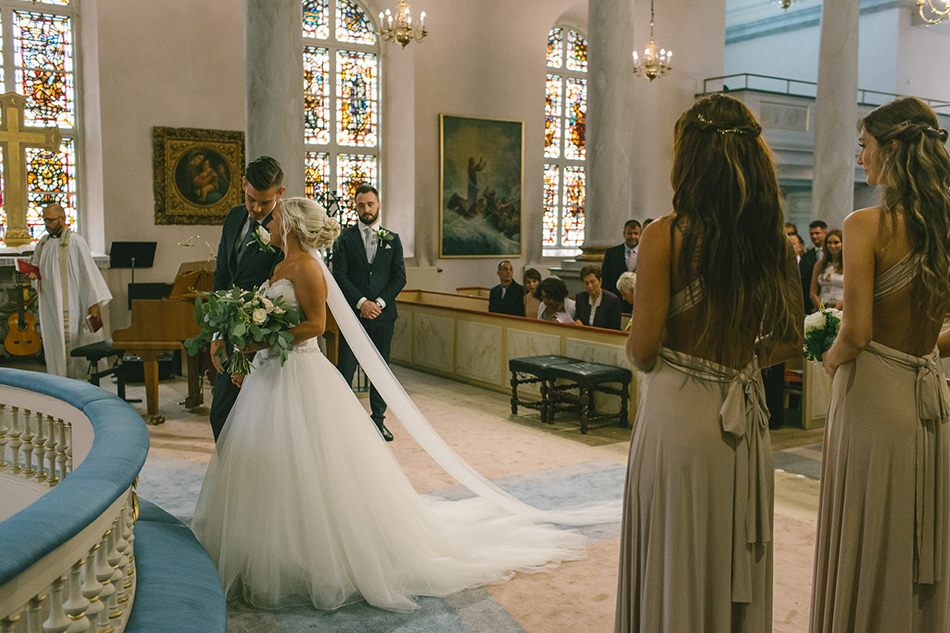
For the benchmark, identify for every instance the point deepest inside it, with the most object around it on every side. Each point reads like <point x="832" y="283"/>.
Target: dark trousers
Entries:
<point x="773" y="379"/>
<point x="381" y="333"/>
<point x="225" y="393"/>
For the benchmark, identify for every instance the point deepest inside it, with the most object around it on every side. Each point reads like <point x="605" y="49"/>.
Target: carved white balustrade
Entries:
<point x="80" y="575"/>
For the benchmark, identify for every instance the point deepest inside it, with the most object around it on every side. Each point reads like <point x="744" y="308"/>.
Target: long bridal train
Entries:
<point x="304" y="504"/>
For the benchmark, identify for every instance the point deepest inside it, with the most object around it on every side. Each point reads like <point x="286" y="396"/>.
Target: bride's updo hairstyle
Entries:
<point x="915" y="178"/>
<point x="309" y="223"/>
<point x="726" y="205"/>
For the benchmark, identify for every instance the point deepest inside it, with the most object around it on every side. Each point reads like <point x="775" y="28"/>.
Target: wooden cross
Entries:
<point x="14" y="139"/>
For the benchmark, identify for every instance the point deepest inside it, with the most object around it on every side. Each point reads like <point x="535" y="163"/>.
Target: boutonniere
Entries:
<point x="384" y="236"/>
<point x="262" y="237"/>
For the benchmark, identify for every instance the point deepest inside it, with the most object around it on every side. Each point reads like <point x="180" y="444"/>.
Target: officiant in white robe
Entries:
<point x="68" y="271"/>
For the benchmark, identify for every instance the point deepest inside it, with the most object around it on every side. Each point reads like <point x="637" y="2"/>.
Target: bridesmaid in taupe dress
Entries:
<point x="718" y="296"/>
<point x="883" y="550"/>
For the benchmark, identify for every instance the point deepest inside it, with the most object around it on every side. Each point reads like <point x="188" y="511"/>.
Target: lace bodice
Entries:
<point x="283" y="288"/>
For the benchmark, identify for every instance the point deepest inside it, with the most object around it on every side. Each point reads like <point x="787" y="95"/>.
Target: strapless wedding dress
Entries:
<point x="303" y="503"/>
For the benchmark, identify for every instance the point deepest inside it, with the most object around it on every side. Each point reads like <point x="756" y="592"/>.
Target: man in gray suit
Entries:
<point x="368" y="266"/>
<point x="243" y="263"/>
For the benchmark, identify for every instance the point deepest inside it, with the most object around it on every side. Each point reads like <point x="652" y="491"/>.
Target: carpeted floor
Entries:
<point x="544" y="465"/>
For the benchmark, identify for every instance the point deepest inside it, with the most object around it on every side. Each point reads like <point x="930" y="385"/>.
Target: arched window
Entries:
<point x="39" y="62"/>
<point x="565" y="114"/>
<point x="341" y="99"/>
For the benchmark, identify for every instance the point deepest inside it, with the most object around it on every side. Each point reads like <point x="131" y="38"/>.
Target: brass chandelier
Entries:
<point x="936" y="15"/>
<point x="399" y="27"/>
<point x="653" y="64"/>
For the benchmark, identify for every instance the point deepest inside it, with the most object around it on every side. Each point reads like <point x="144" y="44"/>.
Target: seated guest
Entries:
<point x="508" y="296"/>
<point x="555" y="304"/>
<point x="627" y="286"/>
<point x="595" y="306"/>
<point x="531" y="303"/>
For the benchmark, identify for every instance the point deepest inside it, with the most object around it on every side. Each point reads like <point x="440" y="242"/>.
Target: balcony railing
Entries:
<point x="69" y="456"/>
<point x="808" y="89"/>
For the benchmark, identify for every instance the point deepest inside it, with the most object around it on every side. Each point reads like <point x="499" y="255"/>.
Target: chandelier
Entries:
<point x="653" y="64"/>
<point x="785" y="4"/>
<point x="936" y="15"/>
<point x="399" y="27"/>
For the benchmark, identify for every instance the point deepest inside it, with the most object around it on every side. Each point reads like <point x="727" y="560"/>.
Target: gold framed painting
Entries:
<point x="481" y="178"/>
<point x="197" y="174"/>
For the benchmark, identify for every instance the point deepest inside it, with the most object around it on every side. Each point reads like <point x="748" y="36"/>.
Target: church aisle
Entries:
<point x="537" y="463"/>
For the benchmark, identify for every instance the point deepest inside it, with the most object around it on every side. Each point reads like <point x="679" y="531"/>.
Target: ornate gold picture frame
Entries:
<point x="197" y="174"/>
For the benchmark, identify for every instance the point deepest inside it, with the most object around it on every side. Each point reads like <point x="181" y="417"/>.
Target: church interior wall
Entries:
<point x="164" y="64"/>
<point x="489" y="62"/>
<point x="159" y="64"/>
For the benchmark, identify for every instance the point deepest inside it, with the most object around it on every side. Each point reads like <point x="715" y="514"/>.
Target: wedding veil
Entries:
<point x="416" y="424"/>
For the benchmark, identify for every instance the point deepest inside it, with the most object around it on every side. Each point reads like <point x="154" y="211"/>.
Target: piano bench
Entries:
<point x="94" y="352"/>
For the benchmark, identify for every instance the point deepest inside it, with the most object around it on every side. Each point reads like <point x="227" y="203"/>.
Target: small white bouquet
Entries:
<point x="821" y="328"/>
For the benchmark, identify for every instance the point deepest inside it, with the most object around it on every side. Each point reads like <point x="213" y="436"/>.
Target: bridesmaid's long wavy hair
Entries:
<point x="726" y="203"/>
<point x="915" y="177"/>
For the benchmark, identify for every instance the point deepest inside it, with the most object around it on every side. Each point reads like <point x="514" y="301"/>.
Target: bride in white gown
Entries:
<point x="304" y="504"/>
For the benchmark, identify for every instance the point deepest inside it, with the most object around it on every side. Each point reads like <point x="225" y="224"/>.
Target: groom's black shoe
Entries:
<point x="387" y="435"/>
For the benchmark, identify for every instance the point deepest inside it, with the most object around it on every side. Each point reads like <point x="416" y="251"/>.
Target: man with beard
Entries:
<point x="368" y="266"/>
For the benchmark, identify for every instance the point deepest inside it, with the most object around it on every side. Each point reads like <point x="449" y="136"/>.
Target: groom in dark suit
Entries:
<point x="369" y="268"/>
<point x="243" y="261"/>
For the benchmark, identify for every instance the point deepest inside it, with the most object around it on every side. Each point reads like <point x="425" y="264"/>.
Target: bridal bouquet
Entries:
<point x="821" y="328"/>
<point x="242" y="317"/>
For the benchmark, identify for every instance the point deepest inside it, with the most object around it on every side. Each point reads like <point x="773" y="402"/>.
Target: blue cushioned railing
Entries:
<point x="77" y="536"/>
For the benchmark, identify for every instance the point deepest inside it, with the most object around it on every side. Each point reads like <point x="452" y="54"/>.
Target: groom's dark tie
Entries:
<point x="249" y="237"/>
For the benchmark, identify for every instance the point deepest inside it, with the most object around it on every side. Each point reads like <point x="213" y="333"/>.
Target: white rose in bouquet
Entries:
<point x="259" y="316"/>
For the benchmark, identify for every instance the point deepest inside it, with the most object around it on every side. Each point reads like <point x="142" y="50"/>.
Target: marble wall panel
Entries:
<point x="432" y="338"/>
<point x="401" y="349"/>
<point x="523" y="343"/>
<point x="478" y="352"/>
<point x="608" y="355"/>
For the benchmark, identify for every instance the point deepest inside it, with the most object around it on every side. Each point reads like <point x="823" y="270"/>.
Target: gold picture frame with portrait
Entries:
<point x="197" y="174"/>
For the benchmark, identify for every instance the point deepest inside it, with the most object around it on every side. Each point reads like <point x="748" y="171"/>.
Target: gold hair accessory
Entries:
<point x="753" y="130"/>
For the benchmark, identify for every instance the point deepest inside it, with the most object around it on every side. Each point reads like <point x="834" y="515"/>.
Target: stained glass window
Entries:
<point x="556" y="48"/>
<point x="41" y="55"/>
<point x="549" y="221"/>
<point x="565" y="117"/>
<point x="316" y="78"/>
<point x="356" y="98"/>
<point x="43" y="59"/>
<point x="316" y="174"/>
<point x="572" y="219"/>
<point x="552" y="117"/>
<point x="354" y="170"/>
<point x="341" y="86"/>
<point x="576" y="52"/>
<point x="316" y="19"/>
<point x="352" y="24"/>
<point x="576" y="116"/>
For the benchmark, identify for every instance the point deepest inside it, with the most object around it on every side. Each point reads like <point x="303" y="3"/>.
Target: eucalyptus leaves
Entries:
<point x="242" y="317"/>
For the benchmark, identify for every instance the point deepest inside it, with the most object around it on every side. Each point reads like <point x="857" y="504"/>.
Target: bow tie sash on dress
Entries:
<point x="933" y="410"/>
<point x="744" y="416"/>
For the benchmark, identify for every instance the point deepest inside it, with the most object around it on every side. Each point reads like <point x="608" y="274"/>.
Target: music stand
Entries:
<point x="132" y="255"/>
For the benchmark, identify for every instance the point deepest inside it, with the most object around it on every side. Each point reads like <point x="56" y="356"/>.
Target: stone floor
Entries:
<point x="479" y="425"/>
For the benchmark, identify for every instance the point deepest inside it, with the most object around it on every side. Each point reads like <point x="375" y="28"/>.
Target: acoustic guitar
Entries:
<point x="22" y="339"/>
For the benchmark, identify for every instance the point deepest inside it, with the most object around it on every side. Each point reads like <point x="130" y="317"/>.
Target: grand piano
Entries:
<point x="162" y="325"/>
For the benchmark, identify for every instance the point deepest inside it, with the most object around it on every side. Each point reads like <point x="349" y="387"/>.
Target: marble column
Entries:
<point x="836" y="113"/>
<point x="273" y="71"/>
<point x="609" y="135"/>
